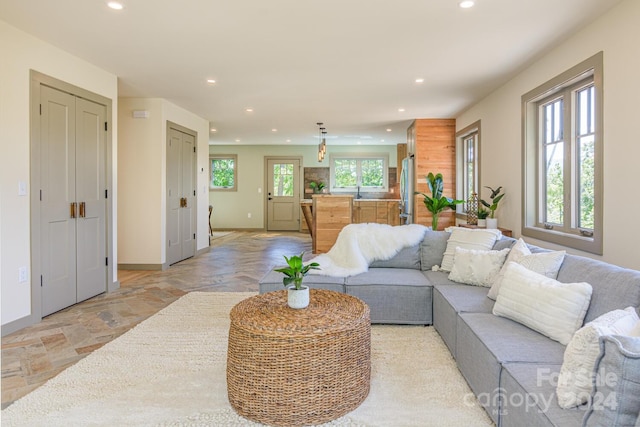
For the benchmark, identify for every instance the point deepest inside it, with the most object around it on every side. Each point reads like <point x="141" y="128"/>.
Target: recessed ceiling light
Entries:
<point x="211" y="81"/>
<point x="249" y="110"/>
<point x="466" y="4"/>
<point x="115" y="5"/>
<point x="288" y="140"/>
<point x="214" y="130"/>
<point x="382" y="140"/>
<point x="419" y="80"/>
<point x="388" y="129"/>
<point x="401" y="110"/>
<point x="238" y="140"/>
<point x="274" y="130"/>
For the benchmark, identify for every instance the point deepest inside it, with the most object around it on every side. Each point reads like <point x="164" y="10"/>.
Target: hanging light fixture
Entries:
<point x="322" y="145"/>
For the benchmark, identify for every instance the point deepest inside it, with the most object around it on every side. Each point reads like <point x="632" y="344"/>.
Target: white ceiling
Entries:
<point x="348" y="63"/>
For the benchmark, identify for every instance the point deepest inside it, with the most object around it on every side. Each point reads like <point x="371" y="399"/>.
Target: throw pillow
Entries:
<point x="468" y="239"/>
<point x="545" y="305"/>
<point x="615" y="401"/>
<point x="476" y="267"/>
<point x="432" y="247"/>
<point x="546" y="263"/>
<point x="575" y="383"/>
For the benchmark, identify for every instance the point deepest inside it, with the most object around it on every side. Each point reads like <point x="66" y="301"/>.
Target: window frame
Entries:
<point x="359" y="157"/>
<point x="565" y="85"/>
<point x="473" y="130"/>
<point x="233" y="157"/>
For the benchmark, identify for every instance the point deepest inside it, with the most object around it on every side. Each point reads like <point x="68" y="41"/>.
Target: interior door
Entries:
<point x="58" y="198"/>
<point x="73" y="202"/>
<point x="283" y="194"/>
<point x="181" y="196"/>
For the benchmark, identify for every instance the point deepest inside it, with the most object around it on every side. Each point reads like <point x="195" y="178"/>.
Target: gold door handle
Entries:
<point x="182" y="202"/>
<point x="82" y="210"/>
<point x="185" y="202"/>
<point x="73" y="210"/>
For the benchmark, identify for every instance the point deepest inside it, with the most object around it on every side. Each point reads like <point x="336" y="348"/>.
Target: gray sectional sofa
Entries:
<point x="513" y="370"/>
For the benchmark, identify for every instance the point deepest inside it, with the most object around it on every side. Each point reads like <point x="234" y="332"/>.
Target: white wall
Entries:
<point x="20" y="53"/>
<point x="142" y="178"/>
<point x="616" y="34"/>
<point x="230" y="208"/>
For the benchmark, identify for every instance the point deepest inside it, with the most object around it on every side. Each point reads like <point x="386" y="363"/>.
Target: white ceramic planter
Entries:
<point x="492" y="222"/>
<point x="482" y="222"/>
<point x="298" y="298"/>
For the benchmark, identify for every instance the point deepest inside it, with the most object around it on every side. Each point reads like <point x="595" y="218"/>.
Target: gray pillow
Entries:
<point x="616" y="401"/>
<point x="408" y="257"/>
<point x="432" y="248"/>
<point x="504" y="243"/>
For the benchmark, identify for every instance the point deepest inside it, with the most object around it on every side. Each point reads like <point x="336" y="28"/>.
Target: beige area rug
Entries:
<point x="170" y="371"/>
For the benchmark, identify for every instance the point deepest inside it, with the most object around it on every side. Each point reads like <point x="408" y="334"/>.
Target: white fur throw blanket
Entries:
<point x="358" y="245"/>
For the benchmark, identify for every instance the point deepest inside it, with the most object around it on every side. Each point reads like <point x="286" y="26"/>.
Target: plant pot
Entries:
<point x="492" y="222"/>
<point x="482" y="222"/>
<point x="298" y="298"/>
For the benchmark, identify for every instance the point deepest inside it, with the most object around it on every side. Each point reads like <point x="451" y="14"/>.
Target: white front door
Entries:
<point x="283" y="194"/>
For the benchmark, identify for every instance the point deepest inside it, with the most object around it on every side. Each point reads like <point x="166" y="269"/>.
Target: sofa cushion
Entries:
<point x="613" y="287"/>
<point x="468" y="239"/>
<point x="616" y="399"/>
<point x="552" y="308"/>
<point x="504" y="243"/>
<point x="477" y="267"/>
<point x="529" y="399"/>
<point x="408" y="257"/>
<point x="432" y="248"/>
<point x="394" y="295"/>
<point x="546" y="263"/>
<point x="575" y="384"/>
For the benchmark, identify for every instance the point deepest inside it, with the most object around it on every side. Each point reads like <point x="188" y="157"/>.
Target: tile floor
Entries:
<point x="234" y="263"/>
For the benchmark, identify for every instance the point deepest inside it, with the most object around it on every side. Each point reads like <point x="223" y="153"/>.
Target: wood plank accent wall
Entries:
<point x="435" y="151"/>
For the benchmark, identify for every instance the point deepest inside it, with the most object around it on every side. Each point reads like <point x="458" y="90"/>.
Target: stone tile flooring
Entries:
<point x="234" y="263"/>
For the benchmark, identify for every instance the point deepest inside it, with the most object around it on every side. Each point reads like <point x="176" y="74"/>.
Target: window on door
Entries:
<point x="223" y="172"/>
<point x="563" y="158"/>
<point x="283" y="180"/>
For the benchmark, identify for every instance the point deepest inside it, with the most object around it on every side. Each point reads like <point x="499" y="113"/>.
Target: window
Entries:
<point x="467" y="165"/>
<point x="562" y="149"/>
<point x="368" y="172"/>
<point x="223" y="170"/>
<point x="282" y="180"/>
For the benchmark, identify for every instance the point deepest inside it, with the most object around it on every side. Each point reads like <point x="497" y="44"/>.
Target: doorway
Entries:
<point x="70" y="185"/>
<point x="283" y="193"/>
<point x="181" y="193"/>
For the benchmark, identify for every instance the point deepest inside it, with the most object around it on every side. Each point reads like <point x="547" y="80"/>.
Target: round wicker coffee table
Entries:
<point x="298" y="367"/>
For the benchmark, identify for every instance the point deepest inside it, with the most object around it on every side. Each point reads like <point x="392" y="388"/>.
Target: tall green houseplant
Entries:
<point x="494" y="199"/>
<point x="436" y="203"/>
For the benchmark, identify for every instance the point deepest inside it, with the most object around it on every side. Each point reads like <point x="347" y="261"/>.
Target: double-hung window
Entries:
<point x="223" y="172"/>
<point x="562" y="174"/>
<point x="467" y="164"/>
<point x="363" y="172"/>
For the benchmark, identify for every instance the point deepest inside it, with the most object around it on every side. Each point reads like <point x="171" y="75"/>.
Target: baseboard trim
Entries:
<point x="203" y="250"/>
<point x="17" y="324"/>
<point x="135" y="267"/>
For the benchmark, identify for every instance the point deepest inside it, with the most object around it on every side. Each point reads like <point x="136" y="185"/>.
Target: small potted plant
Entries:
<point x="297" y="293"/>
<point x="317" y="186"/>
<point x="482" y="216"/>
<point x="492" y="205"/>
<point x="436" y="203"/>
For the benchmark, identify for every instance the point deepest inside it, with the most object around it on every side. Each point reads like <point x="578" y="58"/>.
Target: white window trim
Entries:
<point x="359" y="156"/>
<point x="531" y="173"/>
<point x="461" y="135"/>
<point x="234" y="157"/>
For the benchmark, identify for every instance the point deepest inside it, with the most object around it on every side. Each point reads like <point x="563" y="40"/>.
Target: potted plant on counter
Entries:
<point x="297" y="293"/>
<point x="492" y="205"/>
<point x="317" y="186"/>
<point x="436" y="203"/>
<point x="482" y="216"/>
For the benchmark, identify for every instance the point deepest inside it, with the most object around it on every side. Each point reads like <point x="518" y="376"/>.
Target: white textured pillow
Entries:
<point x="476" y="267"/>
<point x="468" y="239"/>
<point x="575" y="383"/>
<point x="545" y="305"/>
<point x="546" y="263"/>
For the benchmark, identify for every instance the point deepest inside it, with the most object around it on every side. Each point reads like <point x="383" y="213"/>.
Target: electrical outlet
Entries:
<point x="249" y="215"/>
<point x="22" y="275"/>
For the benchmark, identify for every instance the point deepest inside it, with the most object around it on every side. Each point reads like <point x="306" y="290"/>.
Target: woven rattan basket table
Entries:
<point x="298" y="367"/>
